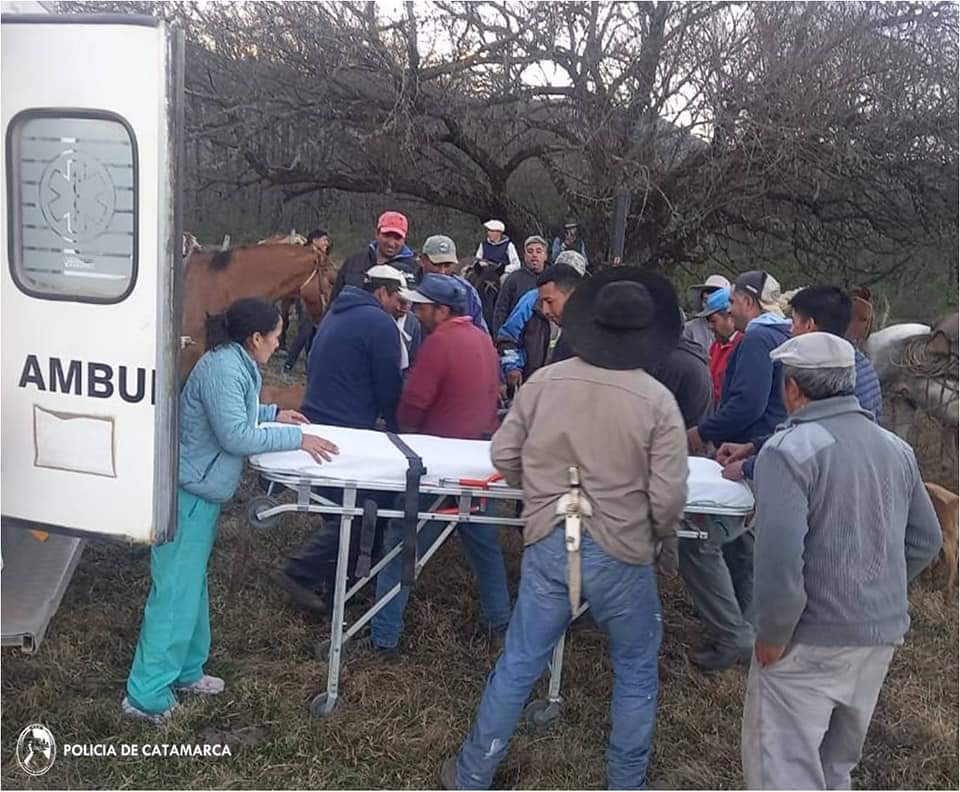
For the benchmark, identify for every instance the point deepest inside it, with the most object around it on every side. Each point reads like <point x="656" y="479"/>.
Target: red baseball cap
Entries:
<point x="393" y="223"/>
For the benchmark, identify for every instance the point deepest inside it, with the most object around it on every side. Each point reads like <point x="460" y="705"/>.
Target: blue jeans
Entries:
<point x="481" y="544"/>
<point x="624" y="602"/>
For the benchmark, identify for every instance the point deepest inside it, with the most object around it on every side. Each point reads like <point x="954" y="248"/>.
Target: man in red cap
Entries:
<point x="388" y="247"/>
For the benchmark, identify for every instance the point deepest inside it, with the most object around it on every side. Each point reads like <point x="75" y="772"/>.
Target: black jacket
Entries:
<point x="514" y="287"/>
<point x="356" y="266"/>
<point x="686" y="374"/>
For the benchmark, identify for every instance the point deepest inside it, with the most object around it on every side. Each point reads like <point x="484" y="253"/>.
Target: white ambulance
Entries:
<point x="89" y="295"/>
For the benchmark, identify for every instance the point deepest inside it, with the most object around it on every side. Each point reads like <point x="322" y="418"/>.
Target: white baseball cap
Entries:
<point x="712" y="283"/>
<point x="388" y="273"/>
<point x="495" y="225"/>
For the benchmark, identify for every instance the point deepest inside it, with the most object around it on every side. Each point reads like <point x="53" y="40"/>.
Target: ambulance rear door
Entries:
<point x="90" y="320"/>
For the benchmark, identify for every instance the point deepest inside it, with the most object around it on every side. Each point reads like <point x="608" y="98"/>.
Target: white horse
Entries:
<point x="918" y="364"/>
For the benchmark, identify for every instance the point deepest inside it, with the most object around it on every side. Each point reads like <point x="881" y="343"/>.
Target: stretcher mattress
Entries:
<point x="370" y="457"/>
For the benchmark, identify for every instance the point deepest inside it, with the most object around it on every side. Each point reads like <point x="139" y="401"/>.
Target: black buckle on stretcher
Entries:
<point x="411" y="510"/>
<point x="368" y="535"/>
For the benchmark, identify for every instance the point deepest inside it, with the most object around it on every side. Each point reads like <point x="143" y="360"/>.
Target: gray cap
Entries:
<point x="573" y="259"/>
<point x="536" y="239"/>
<point x="815" y="350"/>
<point x="440" y="250"/>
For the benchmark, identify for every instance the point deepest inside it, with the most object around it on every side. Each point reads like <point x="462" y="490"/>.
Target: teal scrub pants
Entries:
<point x="175" y="638"/>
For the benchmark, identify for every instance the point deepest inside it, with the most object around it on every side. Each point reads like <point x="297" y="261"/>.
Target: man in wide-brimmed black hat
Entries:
<point x="622" y="474"/>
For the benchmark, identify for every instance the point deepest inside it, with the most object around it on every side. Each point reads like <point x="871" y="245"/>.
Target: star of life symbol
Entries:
<point x="36" y="749"/>
<point x="77" y="196"/>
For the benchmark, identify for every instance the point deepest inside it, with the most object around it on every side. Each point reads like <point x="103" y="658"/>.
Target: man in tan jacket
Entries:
<point x="602" y="441"/>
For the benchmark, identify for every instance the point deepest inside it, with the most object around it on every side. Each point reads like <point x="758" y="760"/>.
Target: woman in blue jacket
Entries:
<point x="219" y="417"/>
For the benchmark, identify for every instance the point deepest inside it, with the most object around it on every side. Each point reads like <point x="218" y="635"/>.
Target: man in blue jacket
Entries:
<point x="751" y="403"/>
<point x="354" y="372"/>
<point x="718" y="572"/>
<point x="816" y="309"/>
<point x="354" y="380"/>
<point x="526" y="340"/>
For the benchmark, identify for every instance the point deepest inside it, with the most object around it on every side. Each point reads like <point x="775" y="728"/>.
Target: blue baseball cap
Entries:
<point x="437" y="289"/>
<point x="716" y="302"/>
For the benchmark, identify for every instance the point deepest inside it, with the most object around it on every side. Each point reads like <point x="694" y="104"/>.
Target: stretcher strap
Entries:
<point x="368" y="535"/>
<point x="480" y="483"/>
<point x="411" y="508"/>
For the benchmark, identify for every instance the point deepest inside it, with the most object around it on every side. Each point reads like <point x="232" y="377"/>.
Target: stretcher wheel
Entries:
<point x="321" y="706"/>
<point x="258" y="504"/>
<point x="540" y="714"/>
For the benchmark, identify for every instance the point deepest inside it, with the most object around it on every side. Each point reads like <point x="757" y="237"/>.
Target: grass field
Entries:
<point x="396" y="723"/>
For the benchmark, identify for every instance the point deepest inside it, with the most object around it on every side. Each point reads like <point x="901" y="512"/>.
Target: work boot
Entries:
<point x="719" y="658"/>
<point x="301" y="595"/>
<point x="156" y="718"/>
<point x="448" y="773"/>
<point x="390" y="655"/>
<point x="205" y="686"/>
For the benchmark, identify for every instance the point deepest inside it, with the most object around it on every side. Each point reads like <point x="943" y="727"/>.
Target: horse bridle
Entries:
<point x="318" y="265"/>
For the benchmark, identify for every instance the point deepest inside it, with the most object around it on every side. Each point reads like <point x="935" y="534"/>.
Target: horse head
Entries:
<point x="316" y="290"/>
<point x="214" y="279"/>
<point x="484" y="273"/>
<point x="784" y="301"/>
<point x="917" y="365"/>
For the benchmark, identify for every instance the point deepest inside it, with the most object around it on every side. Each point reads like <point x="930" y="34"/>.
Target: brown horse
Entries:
<point x="214" y="279"/>
<point x="293" y="238"/>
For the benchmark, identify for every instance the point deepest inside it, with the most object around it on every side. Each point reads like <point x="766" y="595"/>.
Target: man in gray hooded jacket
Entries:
<point x="843" y="523"/>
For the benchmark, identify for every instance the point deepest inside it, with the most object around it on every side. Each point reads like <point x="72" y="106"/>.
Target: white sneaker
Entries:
<point x="206" y="686"/>
<point x="156" y="718"/>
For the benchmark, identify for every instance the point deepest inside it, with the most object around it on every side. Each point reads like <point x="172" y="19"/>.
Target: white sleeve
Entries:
<point x="479" y="253"/>
<point x="514" y="264"/>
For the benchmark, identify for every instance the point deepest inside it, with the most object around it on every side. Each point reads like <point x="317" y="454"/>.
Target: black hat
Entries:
<point x="623" y="318"/>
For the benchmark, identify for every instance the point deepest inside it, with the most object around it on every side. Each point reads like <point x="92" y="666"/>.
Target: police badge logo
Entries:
<point x="36" y="749"/>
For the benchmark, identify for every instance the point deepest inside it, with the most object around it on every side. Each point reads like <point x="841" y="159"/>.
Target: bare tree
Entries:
<point x="819" y="135"/>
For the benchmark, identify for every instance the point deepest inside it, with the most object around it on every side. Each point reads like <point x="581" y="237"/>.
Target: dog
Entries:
<point x="946" y="505"/>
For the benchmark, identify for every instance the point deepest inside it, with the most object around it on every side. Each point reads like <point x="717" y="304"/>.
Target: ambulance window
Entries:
<point x="72" y="205"/>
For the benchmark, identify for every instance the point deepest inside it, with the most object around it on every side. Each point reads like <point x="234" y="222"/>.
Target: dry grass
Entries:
<point x="395" y="724"/>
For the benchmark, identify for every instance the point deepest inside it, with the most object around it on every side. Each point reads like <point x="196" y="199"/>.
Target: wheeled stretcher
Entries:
<point x="412" y="466"/>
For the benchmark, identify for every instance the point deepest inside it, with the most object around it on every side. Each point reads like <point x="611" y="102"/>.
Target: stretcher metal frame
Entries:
<point x="264" y="512"/>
